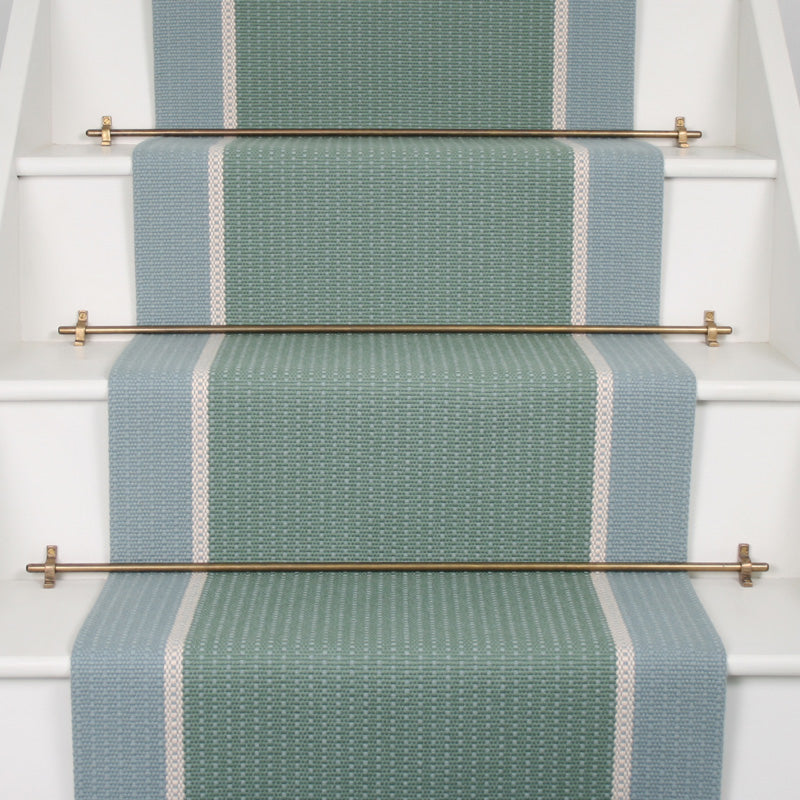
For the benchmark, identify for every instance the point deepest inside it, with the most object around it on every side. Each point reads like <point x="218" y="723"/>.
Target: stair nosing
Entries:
<point x="77" y="597"/>
<point x="55" y="371"/>
<point x="92" y="160"/>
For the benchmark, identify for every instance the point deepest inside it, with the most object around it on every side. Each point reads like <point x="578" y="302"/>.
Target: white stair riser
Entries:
<point x="54" y="481"/>
<point x="717" y="252"/>
<point x="744" y="483"/>
<point x="762" y="728"/>
<point x="54" y="485"/>
<point x="76" y="241"/>
<point x="36" y="739"/>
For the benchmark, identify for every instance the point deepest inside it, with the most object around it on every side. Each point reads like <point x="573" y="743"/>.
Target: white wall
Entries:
<point x="5" y="11"/>
<point x="791" y="24"/>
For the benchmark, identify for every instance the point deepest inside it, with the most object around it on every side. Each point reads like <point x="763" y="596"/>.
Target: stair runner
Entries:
<point x="398" y="447"/>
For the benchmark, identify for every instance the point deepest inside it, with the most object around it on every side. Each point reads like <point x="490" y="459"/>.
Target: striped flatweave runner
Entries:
<point x="398" y="230"/>
<point x="398" y="686"/>
<point x="385" y="447"/>
<point x="411" y="63"/>
<point x="307" y="686"/>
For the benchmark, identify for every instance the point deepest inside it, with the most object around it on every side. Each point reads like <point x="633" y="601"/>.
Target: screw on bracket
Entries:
<point x="105" y="132"/>
<point x="680" y="128"/>
<point x="50" y="567"/>
<point x="712" y="331"/>
<point x="80" y="328"/>
<point x="746" y="572"/>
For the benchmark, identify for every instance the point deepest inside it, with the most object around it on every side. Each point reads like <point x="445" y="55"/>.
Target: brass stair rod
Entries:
<point x="709" y="329"/>
<point x="744" y="566"/>
<point x="106" y="132"/>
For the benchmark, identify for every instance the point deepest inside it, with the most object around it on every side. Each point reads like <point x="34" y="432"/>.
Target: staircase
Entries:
<point x="732" y="221"/>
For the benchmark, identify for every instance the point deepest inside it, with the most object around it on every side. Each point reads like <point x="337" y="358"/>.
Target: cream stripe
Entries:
<point x="216" y="231"/>
<point x="580" y="233"/>
<point x="626" y="688"/>
<point x="173" y="688"/>
<point x="560" y="53"/>
<point x="229" y="98"/>
<point x="603" y="430"/>
<point x="200" y="447"/>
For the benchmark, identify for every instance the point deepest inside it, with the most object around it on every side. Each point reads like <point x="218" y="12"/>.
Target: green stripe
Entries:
<point x="399" y="686"/>
<point x="397" y="64"/>
<point x="393" y="230"/>
<point x="382" y="447"/>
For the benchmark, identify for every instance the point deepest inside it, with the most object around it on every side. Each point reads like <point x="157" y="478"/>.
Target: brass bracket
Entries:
<point x="746" y="571"/>
<point x="712" y="331"/>
<point x="80" y="328"/>
<point x="105" y="132"/>
<point x="680" y="129"/>
<point x="50" y="566"/>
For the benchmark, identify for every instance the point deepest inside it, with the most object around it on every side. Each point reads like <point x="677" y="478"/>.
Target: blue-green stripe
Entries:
<point x="600" y="90"/>
<point x="680" y="688"/>
<point x="188" y="63"/>
<point x="651" y="457"/>
<point x="150" y="446"/>
<point x="171" y="231"/>
<point x="117" y="684"/>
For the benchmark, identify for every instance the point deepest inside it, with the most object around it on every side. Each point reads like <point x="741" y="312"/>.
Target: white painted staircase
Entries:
<point x="731" y="243"/>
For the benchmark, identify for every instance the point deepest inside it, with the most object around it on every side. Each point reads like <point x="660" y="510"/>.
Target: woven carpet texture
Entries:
<point x="412" y="63"/>
<point x="398" y="230"/>
<point x="400" y="686"/>
<point x="400" y="447"/>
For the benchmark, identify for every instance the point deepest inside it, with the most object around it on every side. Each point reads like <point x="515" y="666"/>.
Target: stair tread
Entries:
<point x="753" y="371"/>
<point x="697" y="161"/>
<point x="38" y="627"/>
<point x="56" y="370"/>
<point x="745" y="371"/>
<point x="758" y="626"/>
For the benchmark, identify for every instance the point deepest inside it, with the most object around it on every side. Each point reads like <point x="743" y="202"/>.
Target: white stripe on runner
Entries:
<point x="229" y="97"/>
<point x="626" y="688"/>
<point x="603" y="430"/>
<point x="580" y="233"/>
<point x="173" y="689"/>
<point x="560" y="53"/>
<point x="216" y="231"/>
<point x="200" y="447"/>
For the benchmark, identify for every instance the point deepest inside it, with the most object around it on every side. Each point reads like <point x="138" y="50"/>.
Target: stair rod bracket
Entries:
<point x="105" y="132"/>
<point x="744" y="566"/>
<point x="50" y="566"/>
<point x="680" y="133"/>
<point x="712" y="331"/>
<point x="680" y="129"/>
<point x="746" y="571"/>
<point x="80" y="328"/>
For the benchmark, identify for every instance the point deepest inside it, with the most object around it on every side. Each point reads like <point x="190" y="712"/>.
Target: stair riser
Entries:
<point x="76" y="239"/>
<point x="762" y="727"/>
<point x="54" y="486"/>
